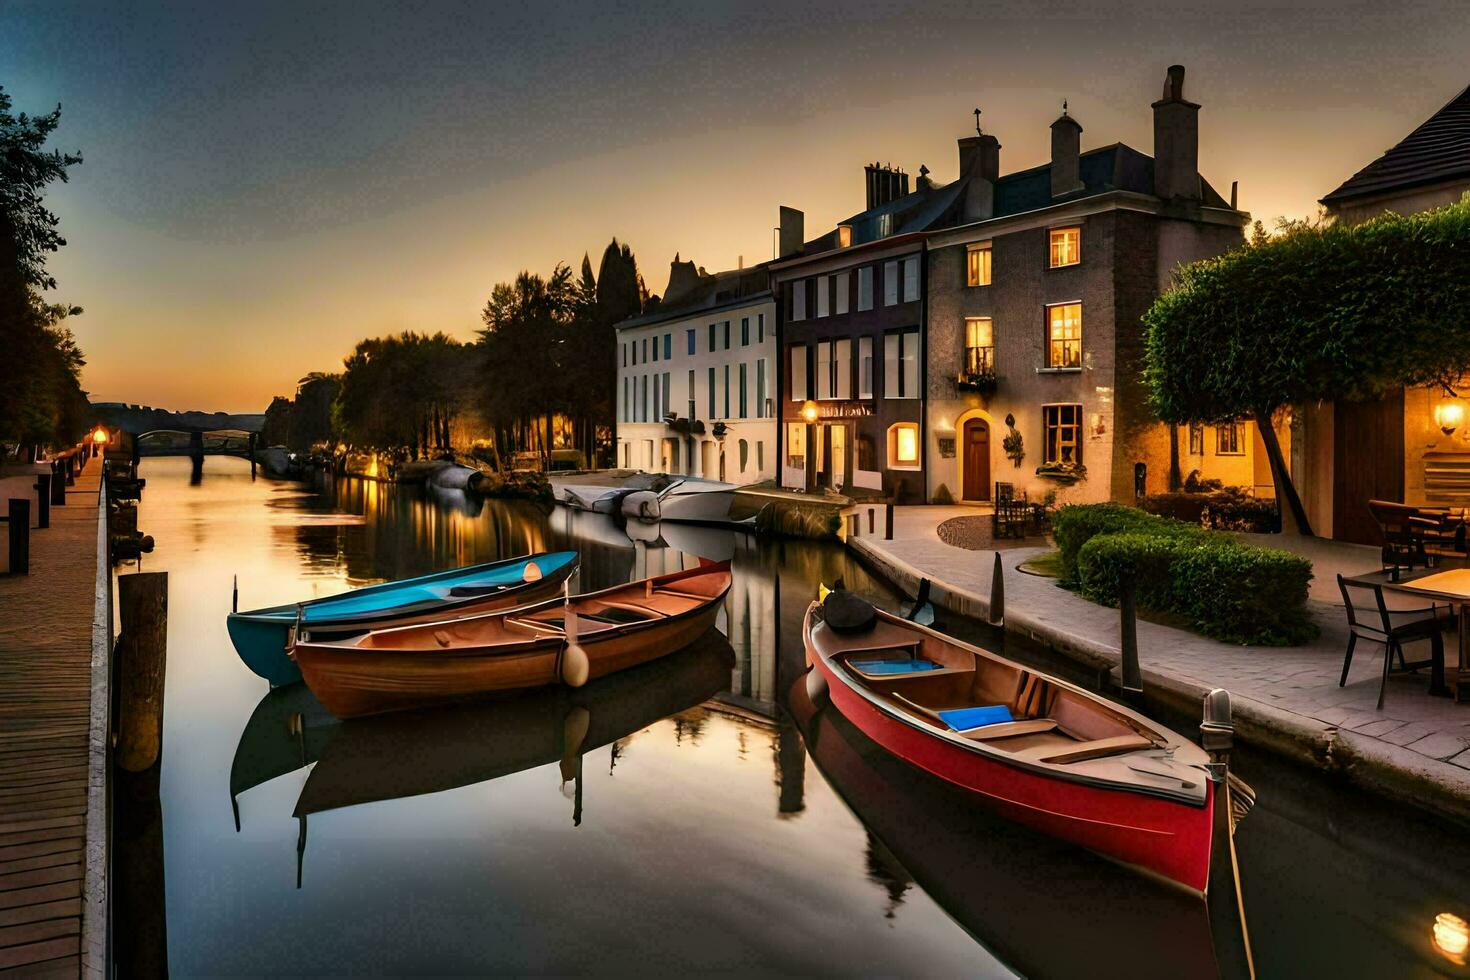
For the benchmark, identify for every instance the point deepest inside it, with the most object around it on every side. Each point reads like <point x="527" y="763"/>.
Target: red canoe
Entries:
<point x="1043" y="752"/>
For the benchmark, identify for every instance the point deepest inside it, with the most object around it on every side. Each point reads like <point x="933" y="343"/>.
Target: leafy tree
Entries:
<point x="1315" y="313"/>
<point x="401" y="393"/>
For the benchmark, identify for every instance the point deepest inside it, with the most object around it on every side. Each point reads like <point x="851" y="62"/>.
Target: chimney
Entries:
<point x="884" y="184"/>
<point x="980" y="162"/>
<point x="792" y="234"/>
<point x="1176" y="141"/>
<point x="1066" y="153"/>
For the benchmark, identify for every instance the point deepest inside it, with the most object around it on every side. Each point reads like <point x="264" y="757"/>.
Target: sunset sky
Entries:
<point x="264" y="184"/>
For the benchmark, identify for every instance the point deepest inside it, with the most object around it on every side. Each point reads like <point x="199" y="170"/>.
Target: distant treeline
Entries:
<point x="41" y="398"/>
<point x="545" y="354"/>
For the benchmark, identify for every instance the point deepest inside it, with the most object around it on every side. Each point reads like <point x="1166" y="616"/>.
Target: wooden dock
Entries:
<point x="46" y="642"/>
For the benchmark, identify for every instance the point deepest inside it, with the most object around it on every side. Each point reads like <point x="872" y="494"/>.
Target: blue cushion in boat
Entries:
<point x="963" y="719"/>
<point x="903" y="666"/>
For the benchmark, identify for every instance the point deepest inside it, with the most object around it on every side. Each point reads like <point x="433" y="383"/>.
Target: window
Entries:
<point x="657" y="396"/>
<point x="901" y="364"/>
<point x="1066" y="247"/>
<point x="842" y="369"/>
<point x="712" y="328"/>
<point x="1064" y="335"/>
<point x="824" y="370"/>
<point x="691" y="340"/>
<point x="977" y="265"/>
<point x="798" y="300"/>
<point x="643" y="399"/>
<point x="1230" y="439"/>
<point x="645" y="350"/>
<point x="979" y="345"/>
<point x="633" y="344"/>
<point x="668" y="405"/>
<point x="712" y="393"/>
<point x="844" y="236"/>
<point x="824" y="285"/>
<point x="760" y="328"/>
<point x="626" y="400"/>
<point x="798" y="372"/>
<point x="865" y="367"/>
<point x="911" y="279"/>
<point x="745" y="331"/>
<point x="727" y="335"/>
<point x="760" y="454"/>
<point x="865" y="288"/>
<point x="743" y="411"/>
<point x="668" y="346"/>
<point x="796" y="445"/>
<point x="727" y="392"/>
<point x="1196" y="439"/>
<point x="903" y="446"/>
<point x="840" y="284"/>
<point x="691" y="391"/>
<point x="1061" y="428"/>
<point x="890" y="283"/>
<point x="744" y="455"/>
<point x="760" y="388"/>
<point x="885" y="225"/>
<point x="625" y="354"/>
<point x="655" y="348"/>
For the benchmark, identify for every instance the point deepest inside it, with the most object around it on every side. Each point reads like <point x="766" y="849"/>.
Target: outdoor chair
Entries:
<point x="1417" y="535"/>
<point x="1372" y="619"/>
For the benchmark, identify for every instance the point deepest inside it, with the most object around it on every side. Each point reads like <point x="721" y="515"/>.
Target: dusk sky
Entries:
<point x="265" y="184"/>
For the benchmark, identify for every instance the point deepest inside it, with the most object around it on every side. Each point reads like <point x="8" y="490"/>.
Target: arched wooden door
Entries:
<point x="976" y="460"/>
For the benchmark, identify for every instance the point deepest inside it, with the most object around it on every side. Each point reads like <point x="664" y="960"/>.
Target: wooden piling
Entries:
<point x="997" y="615"/>
<point x="887" y="522"/>
<point x="142" y="651"/>
<point x="1128" y="625"/>
<point x="43" y="500"/>
<point x="18" y="517"/>
<point x="58" y="485"/>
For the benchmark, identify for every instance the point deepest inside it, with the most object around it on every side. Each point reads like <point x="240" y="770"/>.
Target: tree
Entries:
<point x="401" y="393"/>
<point x="1315" y="313"/>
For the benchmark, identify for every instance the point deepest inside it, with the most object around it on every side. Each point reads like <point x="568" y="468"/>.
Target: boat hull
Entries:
<point x="1168" y="838"/>
<point x="700" y="507"/>
<point x="261" y="637"/>
<point x="351" y="682"/>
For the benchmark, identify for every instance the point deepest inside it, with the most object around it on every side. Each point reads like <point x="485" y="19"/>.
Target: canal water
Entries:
<point x="703" y="828"/>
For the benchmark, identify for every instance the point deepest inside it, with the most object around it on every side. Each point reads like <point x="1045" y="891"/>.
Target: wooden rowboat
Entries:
<point x="261" y="636"/>
<point x="1044" y="752"/>
<point x="582" y="638"/>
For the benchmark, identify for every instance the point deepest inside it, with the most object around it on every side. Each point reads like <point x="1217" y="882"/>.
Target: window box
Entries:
<point x="983" y="382"/>
<point x="1063" y="473"/>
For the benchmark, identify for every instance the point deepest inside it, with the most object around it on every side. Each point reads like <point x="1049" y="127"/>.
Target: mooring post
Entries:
<point x="1223" y="898"/>
<point x="43" y="500"/>
<point x="998" y="594"/>
<point x="58" y="485"/>
<point x="1128" y="621"/>
<point x="887" y="522"/>
<point x="71" y="469"/>
<point x="252" y="455"/>
<point x="18" y="516"/>
<point x="142" y="653"/>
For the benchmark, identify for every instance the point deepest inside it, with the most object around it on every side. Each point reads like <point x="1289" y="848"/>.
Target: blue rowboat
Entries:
<point x="261" y="636"/>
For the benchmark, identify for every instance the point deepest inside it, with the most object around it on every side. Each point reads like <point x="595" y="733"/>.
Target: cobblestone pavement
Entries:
<point x="1415" y="736"/>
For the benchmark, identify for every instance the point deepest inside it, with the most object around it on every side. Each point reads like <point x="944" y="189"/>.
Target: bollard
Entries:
<point x="18" y="516"/>
<point x="43" y="500"/>
<point x="887" y="522"/>
<point x="997" y="616"/>
<point x="1226" y="910"/>
<point x="871" y="518"/>
<point x="142" y="652"/>
<point x="1128" y="621"/>
<point x="58" y="485"/>
<point x="71" y="470"/>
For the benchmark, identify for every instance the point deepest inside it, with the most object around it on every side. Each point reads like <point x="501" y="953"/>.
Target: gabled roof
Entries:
<point x="721" y="290"/>
<point x="1438" y="150"/>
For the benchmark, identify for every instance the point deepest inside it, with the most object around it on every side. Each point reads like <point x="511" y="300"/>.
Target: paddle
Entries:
<point x="575" y="666"/>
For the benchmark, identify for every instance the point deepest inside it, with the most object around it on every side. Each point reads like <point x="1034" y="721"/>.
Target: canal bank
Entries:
<point x="55" y="631"/>
<point x="1286" y="699"/>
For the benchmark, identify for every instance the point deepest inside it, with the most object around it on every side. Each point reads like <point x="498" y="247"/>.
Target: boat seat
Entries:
<point x="553" y="627"/>
<point x="1082" y="751"/>
<point x="665" y="590"/>
<point x="634" y="613"/>
<point x="1010" y="729"/>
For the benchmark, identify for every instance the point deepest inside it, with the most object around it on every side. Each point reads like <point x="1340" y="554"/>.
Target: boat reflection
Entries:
<point x="1044" y="908"/>
<point x="287" y="730"/>
<point x="409" y="754"/>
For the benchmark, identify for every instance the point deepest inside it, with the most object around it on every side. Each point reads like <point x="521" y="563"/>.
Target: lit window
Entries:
<point x="1062" y="425"/>
<point x="1066" y="247"/>
<point x="1229" y="439"/>
<point x="844" y="236"/>
<point x="1064" y="335"/>
<point x="796" y="444"/>
<point x="977" y="265"/>
<point x="979" y="345"/>
<point x="903" y="445"/>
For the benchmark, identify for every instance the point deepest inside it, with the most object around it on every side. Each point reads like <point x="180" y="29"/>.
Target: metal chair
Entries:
<point x="1391" y="627"/>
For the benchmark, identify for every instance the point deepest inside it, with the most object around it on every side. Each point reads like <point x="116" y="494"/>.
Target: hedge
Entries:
<point x="1228" y="591"/>
<point x="1221" y="510"/>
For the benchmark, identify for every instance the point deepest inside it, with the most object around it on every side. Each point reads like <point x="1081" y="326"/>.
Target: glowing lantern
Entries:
<point x="1451" y="937"/>
<point x="1449" y="416"/>
<point x="100" y="436"/>
<point x="809" y="411"/>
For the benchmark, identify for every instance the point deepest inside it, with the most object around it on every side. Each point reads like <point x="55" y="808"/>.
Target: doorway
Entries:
<point x="838" y="469"/>
<point x="975" y="477"/>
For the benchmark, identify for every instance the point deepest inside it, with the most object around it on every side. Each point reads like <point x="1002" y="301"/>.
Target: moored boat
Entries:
<point x="697" y="501"/>
<point x="261" y="636"/>
<point x="1043" y="752"/>
<point x="569" y="641"/>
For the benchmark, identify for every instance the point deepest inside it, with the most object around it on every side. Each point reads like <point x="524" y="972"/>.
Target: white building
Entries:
<point x="697" y="381"/>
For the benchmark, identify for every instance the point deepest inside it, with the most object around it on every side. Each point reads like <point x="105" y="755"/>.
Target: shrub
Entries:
<point x="1227" y="590"/>
<point x="1222" y="510"/>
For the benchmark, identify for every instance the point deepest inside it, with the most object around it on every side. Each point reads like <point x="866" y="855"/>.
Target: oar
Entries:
<point x="575" y="666"/>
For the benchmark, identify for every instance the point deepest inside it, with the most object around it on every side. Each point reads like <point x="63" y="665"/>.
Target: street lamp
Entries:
<point x="809" y="411"/>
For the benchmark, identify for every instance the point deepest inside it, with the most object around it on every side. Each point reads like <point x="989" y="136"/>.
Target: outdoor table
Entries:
<point x="1452" y="586"/>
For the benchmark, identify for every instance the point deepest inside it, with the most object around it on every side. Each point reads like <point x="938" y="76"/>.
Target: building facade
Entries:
<point x="1415" y="460"/>
<point x="1035" y="340"/>
<point x="697" y="379"/>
